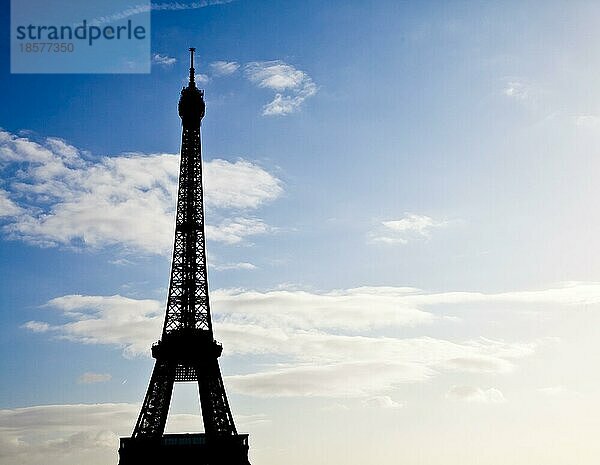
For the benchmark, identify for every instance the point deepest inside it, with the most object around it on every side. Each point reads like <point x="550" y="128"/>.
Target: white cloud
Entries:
<point x="479" y="364"/>
<point x="334" y="366"/>
<point x="7" y="206"/>
<point x="116" y="320"/>
<point x="292" y="86"/>
<point x="318" y="346"/>
<point x="567" y="293"/>
<point x="348" y="379"/>
<point x="382" y="402"/>
<point x="201" y="78"/>
<point x="178" y="6"/>
<point x="410" y="227"/>
<point x="559" y="391"/>
<point x="80" y="433"/>
<point x="165" y="61"/>
<point x="516" y="89"/>
<point x="239" y="185"/>
<point x="275" y="75"/>
<point x="37" y="326"/>
<point x="233" y="231"/>
<point x="224" y="68"/>
<point x="357" y="309"/>
<point x="282" y="105"/>
<point x="234" y="266"/>
<point x="166" y="6"/>
<point x="412" y="223"/>
<point x="475" y="394"/>
<point x="588" y="121"/>
<point x="93" y="378"/>
<point x="66" y="151"/>
<point x="60" y="197"/>
<point x="552" y="391"/>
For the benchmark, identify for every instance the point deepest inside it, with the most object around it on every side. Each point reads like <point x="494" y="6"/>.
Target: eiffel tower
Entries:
<point x="187" y="350"/>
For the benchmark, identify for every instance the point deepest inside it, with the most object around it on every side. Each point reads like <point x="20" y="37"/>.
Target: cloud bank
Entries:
<point x="327" y="344"/>
<point x="81" y="433"/>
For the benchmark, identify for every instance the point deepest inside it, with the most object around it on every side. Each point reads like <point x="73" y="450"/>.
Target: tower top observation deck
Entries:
<point x="191" y="103"/>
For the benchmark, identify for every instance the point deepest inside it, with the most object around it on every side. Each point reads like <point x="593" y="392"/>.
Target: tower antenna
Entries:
<point x="192" y="71"/>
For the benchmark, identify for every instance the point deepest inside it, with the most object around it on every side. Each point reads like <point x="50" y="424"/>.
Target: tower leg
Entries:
<point x="153" y="416"/>
<point x="216" y="414"/>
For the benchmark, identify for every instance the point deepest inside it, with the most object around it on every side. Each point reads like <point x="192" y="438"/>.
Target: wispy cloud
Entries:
<point x="37" y="326"/>
<point x="553" y="391"/>
<point x="177" y="6"/>
<point x="401" y="231"/>
<point x="200" y="79"/>
<point x="324" y="341"/>
<point x="244" y="316"/>
<point x="475" y="394"/>
<point x="235" y="230"/>
<point x="224" y="68"/>
<point x="385" y="402"/>
<point x="61" y="196"/>
<point x="146" y="8"/>
<point x="234" y="266"/>
<point x="115" y="320"/>
<point x="517" y="88"/>
<point x="165" y="61"/>
<point x="94" y="378"/>
<point x="345" y="379"/>
<point x="587" y="121"/>
<point x="362" y="308"/>
<point x="7" y="206"/>
<point x="559" y="391"/>
<point x="292" y="86"/>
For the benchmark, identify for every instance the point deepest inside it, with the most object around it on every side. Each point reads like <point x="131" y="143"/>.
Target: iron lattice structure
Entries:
<point x="187" y="350"/>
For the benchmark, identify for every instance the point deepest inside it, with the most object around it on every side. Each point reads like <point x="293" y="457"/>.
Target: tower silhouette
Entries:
<point x="187" y="350"/>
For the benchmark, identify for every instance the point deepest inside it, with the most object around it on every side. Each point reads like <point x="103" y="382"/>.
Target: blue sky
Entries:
<point x="403" y="239"/>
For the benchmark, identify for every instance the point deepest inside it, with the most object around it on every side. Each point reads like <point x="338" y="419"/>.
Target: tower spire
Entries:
<point x="192" y="70"/>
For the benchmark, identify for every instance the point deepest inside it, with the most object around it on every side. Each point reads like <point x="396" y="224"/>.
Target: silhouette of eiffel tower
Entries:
<point x="187" y="350"/>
